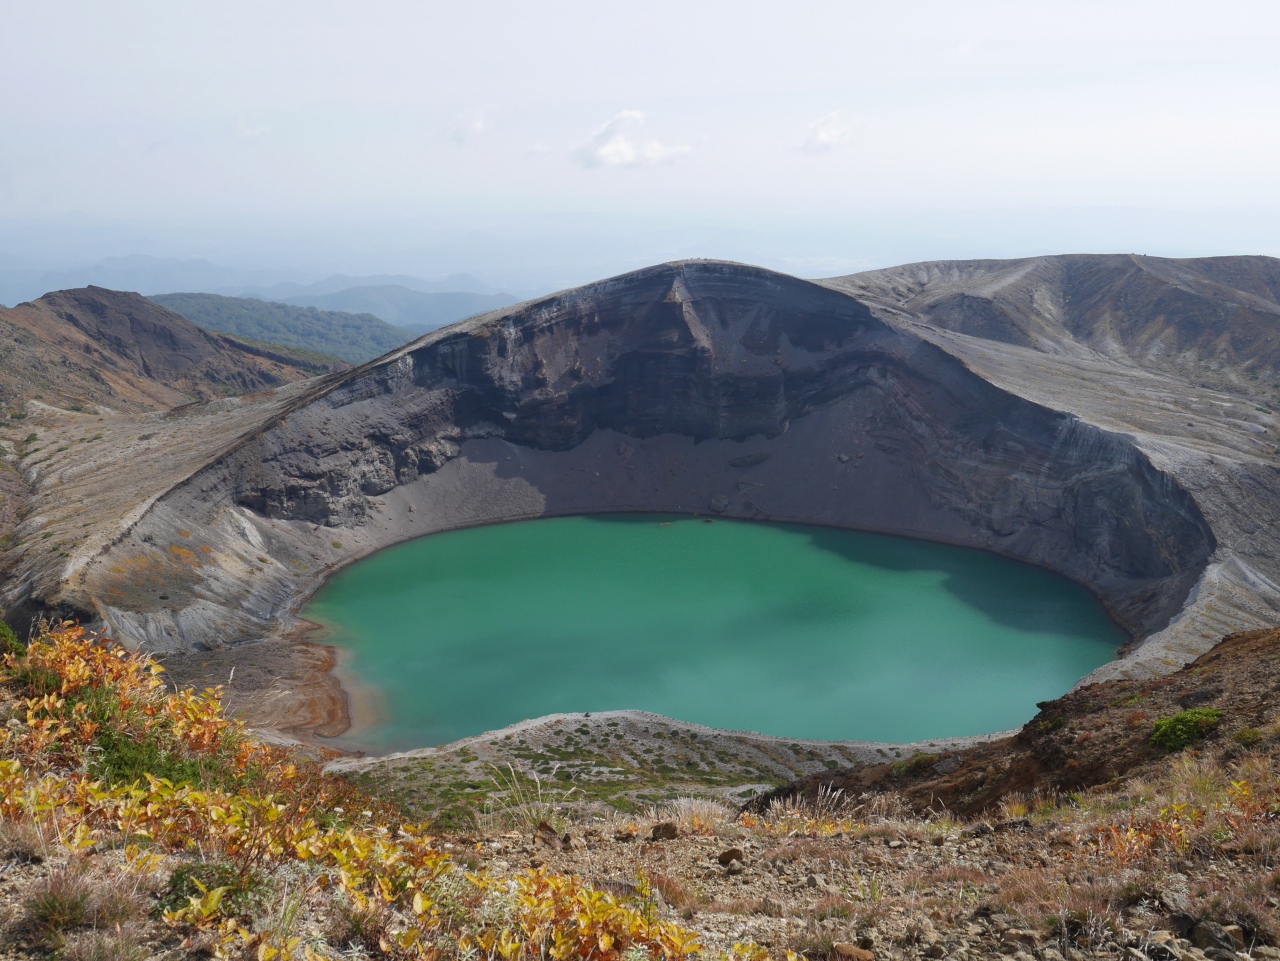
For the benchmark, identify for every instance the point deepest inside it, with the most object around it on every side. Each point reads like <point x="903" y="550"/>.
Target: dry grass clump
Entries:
<point x="122" y="944"/>
<point x="695" y="815"/>
<point x="69" y="898"/>
<point x="22" y="841"/>
<point x="830" y="811"/>
<point x="354" y="926"/>
<point x="808" y="850"/>
<point x="520" y="802"/>
<point x="678" y="893"/>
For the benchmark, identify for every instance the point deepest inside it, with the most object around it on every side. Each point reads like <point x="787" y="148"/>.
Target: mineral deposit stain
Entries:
<point x="789" y="630"/>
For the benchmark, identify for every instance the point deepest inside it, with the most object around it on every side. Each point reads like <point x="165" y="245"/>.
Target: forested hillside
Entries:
<point x="350" y="337"/>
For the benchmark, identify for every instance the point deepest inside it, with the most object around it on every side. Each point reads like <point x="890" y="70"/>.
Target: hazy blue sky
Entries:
<point x="541" y="143"/>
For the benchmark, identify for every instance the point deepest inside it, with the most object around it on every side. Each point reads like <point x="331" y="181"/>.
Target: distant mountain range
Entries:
<point x="355" y="324"/>
<point x="157" y="275"/>
<point x="454" y="283"/>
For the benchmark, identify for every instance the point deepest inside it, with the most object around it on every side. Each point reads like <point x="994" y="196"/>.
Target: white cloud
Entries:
<point x="616" y="143"/>
<point x="826" y="133"/>
<point x="467" y="127"/>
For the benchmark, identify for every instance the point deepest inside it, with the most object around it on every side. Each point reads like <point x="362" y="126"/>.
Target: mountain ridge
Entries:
<point x="96" y="346"/>
<point x="1213" y="320"/>
<point x="354" y="338"/>
<point x="660" y="390"/>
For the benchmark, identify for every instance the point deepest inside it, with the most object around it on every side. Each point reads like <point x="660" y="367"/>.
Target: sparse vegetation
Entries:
<point x="1247" y="737"/>
<point x="9" y="643"/>
<point x="915" y="764"/>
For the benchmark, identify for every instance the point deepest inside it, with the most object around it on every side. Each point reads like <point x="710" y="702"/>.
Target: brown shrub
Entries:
<point x="20" y="841"/>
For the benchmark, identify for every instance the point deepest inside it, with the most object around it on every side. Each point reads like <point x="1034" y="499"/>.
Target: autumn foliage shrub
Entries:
<point x="240" y="810"/>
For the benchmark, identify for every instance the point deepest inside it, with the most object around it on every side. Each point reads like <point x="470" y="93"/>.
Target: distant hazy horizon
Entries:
<point x="540" y="146"/>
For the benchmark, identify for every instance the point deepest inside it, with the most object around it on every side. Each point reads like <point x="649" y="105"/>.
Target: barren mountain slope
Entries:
<point x="103" y="347"/>
<point x="1215" y="321"/>
<point x="108" y="356"/>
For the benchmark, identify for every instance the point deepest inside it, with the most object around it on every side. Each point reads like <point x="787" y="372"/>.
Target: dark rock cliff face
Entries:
<point x="715" y="353"/>
<point x="702" y="387"/>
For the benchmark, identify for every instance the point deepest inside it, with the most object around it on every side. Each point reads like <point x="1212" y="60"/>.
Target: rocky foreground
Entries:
<point x="136" y="823"/>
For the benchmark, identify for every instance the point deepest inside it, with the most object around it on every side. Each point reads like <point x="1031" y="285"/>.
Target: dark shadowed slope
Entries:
<point x="352" y="337"/>
<point x="1215" y="320"/>
<point x="94" y="346"/>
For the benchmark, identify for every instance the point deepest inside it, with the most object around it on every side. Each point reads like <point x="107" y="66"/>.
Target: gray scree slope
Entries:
<point x="693" y="387"/>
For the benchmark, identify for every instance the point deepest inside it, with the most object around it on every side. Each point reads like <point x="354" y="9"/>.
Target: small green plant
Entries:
<point x="1184" y="728"/>
<point x="1247" y="736"/>
<point x="244" y="890"/>
<point x="124" y="758"/>
<point x="913" y="765"/>
<point x="9" y="643"/>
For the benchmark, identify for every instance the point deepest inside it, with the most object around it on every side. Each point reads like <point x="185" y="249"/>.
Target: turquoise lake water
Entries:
<point x="796" y="631"/>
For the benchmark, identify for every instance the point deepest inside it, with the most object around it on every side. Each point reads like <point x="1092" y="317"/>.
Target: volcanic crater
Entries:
<point x="1100" y="417"/>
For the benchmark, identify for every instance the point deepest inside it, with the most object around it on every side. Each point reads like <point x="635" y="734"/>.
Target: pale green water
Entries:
<point x="797" y="631"/>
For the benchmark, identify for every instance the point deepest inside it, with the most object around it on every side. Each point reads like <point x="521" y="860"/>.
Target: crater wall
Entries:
<point x="693" y="387"/>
